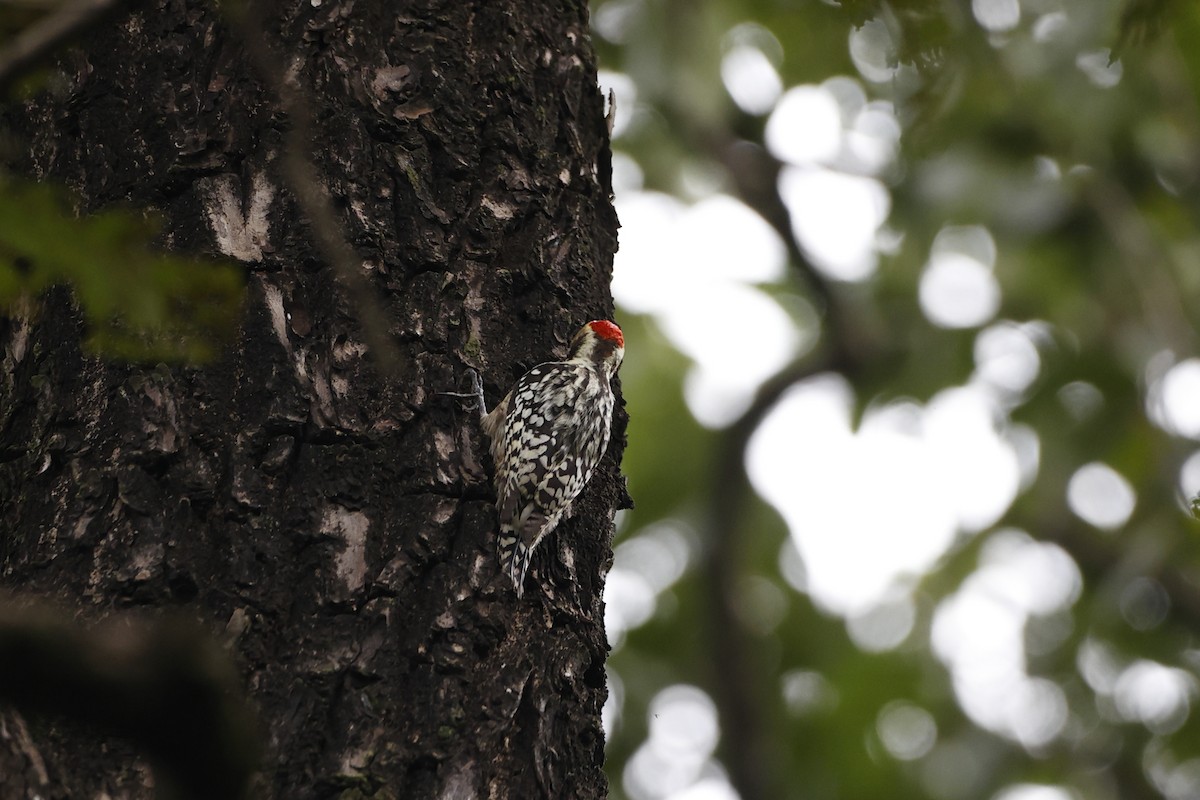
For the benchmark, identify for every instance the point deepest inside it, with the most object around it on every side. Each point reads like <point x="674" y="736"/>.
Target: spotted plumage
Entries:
<point x="547" y="437"/>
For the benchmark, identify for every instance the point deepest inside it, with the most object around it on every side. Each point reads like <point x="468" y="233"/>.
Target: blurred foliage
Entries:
<point x="1071" y="133"/>
<point x="138" y="303"/>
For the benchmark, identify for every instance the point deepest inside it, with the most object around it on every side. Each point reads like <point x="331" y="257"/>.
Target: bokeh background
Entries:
<point x="911" y="292"/>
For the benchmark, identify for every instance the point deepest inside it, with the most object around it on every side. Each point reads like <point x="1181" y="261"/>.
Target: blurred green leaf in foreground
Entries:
<point x="138" y="302"/>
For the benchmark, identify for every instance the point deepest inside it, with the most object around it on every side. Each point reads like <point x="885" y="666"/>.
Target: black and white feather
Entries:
<point x="547" y="437"/>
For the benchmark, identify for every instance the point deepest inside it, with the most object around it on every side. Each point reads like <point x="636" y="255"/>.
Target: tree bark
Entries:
<point x="329" y="520"/>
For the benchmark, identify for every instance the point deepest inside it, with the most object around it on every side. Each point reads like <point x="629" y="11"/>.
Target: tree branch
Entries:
<point x="747" y="740"/>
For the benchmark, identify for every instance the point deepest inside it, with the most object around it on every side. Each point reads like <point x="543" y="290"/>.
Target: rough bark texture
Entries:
<point x="333" y="524"/>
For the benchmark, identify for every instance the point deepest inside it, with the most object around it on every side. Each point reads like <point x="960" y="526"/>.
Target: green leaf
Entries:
<point x="139" y="303"/>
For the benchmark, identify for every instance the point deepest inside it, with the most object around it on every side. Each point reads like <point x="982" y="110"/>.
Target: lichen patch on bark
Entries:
<point x="351" y="528"/>
<point x="241" y="230"/>
<point x="274" y="300"/>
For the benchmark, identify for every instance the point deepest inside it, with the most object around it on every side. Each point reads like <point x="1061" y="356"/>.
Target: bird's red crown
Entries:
<point x="607" y="330"/>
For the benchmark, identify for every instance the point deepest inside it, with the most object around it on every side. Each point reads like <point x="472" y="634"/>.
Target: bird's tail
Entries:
<point x="514" y="559"/>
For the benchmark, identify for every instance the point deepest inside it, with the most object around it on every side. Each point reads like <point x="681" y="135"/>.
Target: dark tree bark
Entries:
<point x="328" y="519"/>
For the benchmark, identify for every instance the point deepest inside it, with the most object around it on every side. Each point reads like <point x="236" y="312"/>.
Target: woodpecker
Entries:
<point x="547" y="436"/>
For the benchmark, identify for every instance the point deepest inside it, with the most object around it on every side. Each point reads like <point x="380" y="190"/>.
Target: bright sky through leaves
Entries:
<point x="1010" y="252"/>
<point x="871" y="508"/>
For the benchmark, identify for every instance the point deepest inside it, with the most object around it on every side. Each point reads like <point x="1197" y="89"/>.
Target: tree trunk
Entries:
<point x="329" y="519"/>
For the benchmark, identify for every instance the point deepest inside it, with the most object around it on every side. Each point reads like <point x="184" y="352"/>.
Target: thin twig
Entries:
<point x="41" y="38"/>
<point x="755" y="175"/>
<point x="1146" y="260"/>
<point x="37" y="5"/>
<point x="302" y="175"/>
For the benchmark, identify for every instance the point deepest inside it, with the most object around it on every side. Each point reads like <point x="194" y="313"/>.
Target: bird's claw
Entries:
<point x="474" y="395"/>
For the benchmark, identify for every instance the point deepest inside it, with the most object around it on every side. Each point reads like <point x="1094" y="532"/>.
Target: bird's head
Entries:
<point x="600" y="342"/>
